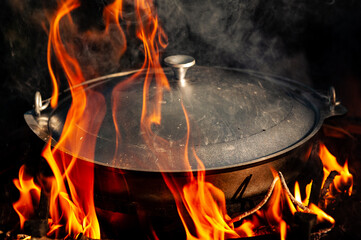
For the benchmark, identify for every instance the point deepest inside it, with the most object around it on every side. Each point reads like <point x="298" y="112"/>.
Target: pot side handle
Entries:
<point x="326" y="104"/>
<point x="335" y="107"/>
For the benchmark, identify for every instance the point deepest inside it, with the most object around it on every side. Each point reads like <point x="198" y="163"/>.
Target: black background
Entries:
<point x="317" y="42"/>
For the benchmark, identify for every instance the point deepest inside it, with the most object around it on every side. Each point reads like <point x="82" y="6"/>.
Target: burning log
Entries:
<point x="289" y="194"/>
<point x="326" y="188"/>
<point x="39" y="225"/>
<point x="304" y="220"/>
<point x="259" y="206"/>
<point x="303" y="224"/>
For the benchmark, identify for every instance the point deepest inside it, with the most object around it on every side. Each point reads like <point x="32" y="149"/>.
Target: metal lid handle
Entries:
<point x="39" y="104"/>
<point x="180" y="65"/>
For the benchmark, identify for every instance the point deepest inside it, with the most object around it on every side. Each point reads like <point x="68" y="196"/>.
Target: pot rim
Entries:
<point x="323" y="104"/>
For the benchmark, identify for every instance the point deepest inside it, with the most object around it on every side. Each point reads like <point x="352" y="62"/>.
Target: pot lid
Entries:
<point x="237" y="117"/>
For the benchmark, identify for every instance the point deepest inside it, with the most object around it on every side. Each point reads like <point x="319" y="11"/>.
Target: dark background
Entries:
<point x="316" y="42"/>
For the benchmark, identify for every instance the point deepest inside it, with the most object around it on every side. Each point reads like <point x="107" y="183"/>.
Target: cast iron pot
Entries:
<point x="242" y="124"/>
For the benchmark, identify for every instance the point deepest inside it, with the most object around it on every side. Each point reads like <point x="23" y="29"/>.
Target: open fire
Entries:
<point x="201" y="205"/>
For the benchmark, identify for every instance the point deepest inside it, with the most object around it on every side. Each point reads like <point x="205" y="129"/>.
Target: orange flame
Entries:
<point x="206" y="206"/>
<point x="273" y="214"/>
<point x="153" y="39"/>
<point x="247" y="227"/>
<point x="270" y="214"/>
<point x="55" y="43"/>
<point x="76" y="205"/>
<point x="201" y="205"/>
<point x="29" y="196"/>
<point x="111" y="14"/>
<point x="342" y="182"/>
<point x="200" y="201"/>
<point x="321" y="215"/>
<point x="306" y="201"/>
<point x="297" y="194"/>
<point x="71" y="200"/>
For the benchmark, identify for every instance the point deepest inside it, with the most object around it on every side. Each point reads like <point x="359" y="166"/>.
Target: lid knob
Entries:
<point x="180" y="65"/>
